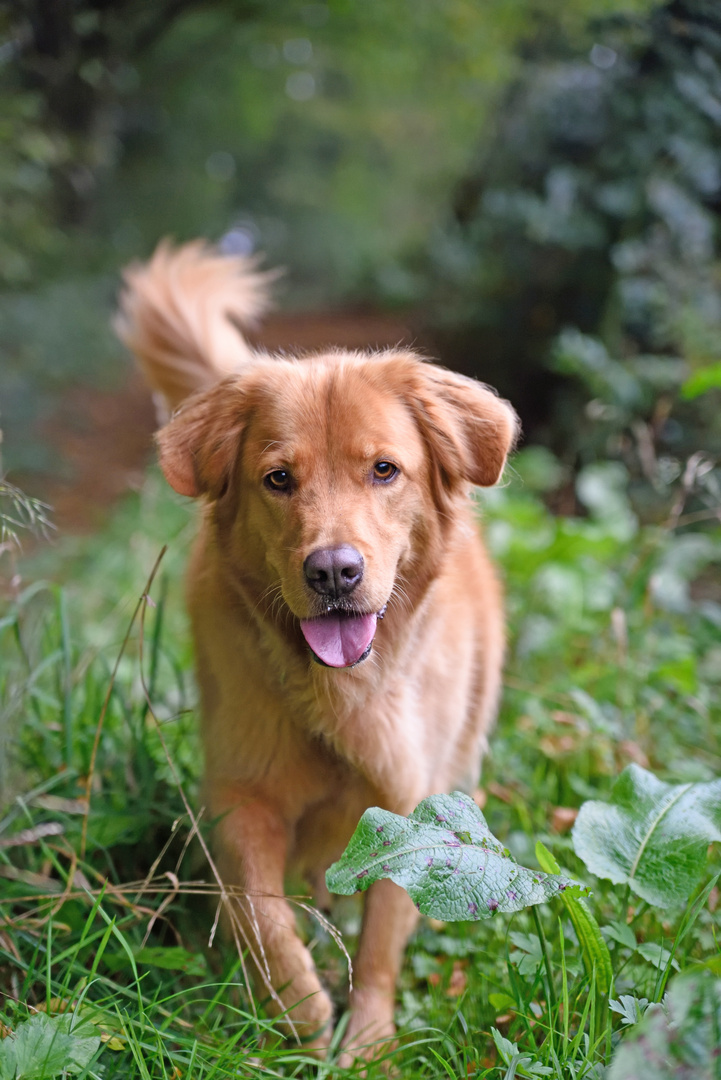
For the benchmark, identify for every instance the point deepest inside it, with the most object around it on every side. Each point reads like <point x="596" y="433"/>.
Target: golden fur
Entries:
<point x="295" y="751"/>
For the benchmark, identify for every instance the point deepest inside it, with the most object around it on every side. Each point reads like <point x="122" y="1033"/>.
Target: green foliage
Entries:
<point x="54" y="674"/>
<point x="629" y="1008"/>
<point x="708" y="378"/>
<point x="445" y="857"/>
<point x="518" y="1064"/>
<point x="651" y="835"/>
<point x="594" y="950"/>
<point x="627" y="399"/>
<point x="29" y="153"/>
<point x="613" y="651"/>
<point x="680" y="1038"/>
<point x="171" y="958"/>
<point x="586" y="239"/>
<point x="45" y="1046"/>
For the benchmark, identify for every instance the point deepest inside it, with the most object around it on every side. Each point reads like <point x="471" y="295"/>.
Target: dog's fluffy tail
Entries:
<point x="180" y="315"/>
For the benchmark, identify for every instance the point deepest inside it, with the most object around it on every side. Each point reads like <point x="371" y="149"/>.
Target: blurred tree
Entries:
<point x="364" y="114"/>
<point x="329" y="134"/>
<point x="334" y="132"/>
<point x="595" y="204"/>
<point x="66" y="68"/>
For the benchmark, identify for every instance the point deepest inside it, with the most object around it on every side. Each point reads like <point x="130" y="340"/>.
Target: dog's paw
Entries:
<point x="308" y="1023"/>
<point x="371" y="1030"/>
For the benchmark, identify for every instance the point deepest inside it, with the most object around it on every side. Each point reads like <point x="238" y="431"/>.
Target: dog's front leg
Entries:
<point x="388" y="921"/>
<point x="251" y="844"/>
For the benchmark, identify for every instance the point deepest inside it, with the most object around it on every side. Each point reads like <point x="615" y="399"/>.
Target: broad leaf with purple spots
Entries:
<point x="446" y="858"/>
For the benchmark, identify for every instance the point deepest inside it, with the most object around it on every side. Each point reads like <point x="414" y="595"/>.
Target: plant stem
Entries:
<point x="549" y="975"/>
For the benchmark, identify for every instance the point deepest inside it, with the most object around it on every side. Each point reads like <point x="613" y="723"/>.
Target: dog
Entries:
<point x="348" y="623"/>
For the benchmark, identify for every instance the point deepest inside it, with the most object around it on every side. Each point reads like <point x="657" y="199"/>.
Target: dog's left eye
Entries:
<point x="384" y="471"/>
<point x="278" y="480"/>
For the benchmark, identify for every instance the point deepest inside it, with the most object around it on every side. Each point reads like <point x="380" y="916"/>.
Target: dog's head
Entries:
<point x="334" y="480"/>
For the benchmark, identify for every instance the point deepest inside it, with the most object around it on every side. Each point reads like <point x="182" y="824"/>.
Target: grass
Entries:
<point x="106" y="898"/>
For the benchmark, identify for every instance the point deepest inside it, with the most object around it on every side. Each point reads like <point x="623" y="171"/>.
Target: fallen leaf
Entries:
<point x="631" y="751"/>
<point x="80" y="880"/>
<point x="458" y="980"/>
<point x="58" y="804"/>
<point x="505" y="794"/>
<point x="55" y="1006"/>
<point x="111" y="1041"/>
<point x="570" y="719"/>
<point x="563" y="817"/>
<point x="556" y="746"/>
<point x="27" y="877"/>
<point x="31" y="836"/>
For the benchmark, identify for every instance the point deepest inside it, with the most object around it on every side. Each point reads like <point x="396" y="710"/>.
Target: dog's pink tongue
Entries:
<point x="339" y="640"/>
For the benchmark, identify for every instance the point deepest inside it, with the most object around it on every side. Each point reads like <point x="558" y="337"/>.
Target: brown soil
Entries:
<point x="104" y="439"/>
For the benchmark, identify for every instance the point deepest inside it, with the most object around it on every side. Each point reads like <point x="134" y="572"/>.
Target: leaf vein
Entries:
<point x="653" y="826"/>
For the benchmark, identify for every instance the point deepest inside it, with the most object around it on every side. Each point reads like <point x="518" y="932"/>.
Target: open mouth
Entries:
<point x="341" y="639"/>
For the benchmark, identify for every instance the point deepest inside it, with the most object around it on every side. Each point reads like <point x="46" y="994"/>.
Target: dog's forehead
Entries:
<point x="307" y="406"/>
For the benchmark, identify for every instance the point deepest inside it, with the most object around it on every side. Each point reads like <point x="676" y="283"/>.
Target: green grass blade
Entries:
<point x="594" y="949"/>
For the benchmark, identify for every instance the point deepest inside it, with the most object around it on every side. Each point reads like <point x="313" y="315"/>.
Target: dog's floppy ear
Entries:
<point x="468" y="428"/>
<point x="199" y="446"/>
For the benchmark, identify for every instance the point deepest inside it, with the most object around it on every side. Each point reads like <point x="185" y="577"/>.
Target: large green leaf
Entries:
<point x="652" y="836"/>
<point x="47" y="1046"/>
<point x="445" y="857"/>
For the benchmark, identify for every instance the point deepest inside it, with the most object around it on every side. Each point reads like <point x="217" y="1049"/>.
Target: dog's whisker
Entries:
<point x="399" y="598"/>
<point x="274" y="589"/>
<point x="276" y="604"/>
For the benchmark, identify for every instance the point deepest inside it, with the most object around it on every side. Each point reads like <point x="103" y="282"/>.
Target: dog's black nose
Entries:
<point x="334" y="572"/>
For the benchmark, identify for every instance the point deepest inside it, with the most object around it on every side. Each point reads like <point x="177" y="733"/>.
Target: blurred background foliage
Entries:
<point x="535" y="186"/>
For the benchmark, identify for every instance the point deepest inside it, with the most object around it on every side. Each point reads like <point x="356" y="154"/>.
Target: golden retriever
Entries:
<point x="348" y="623"/>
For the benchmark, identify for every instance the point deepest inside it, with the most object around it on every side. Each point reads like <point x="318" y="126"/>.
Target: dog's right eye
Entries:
<point x="384" y="471"/>
<point x="278" y="480"/>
